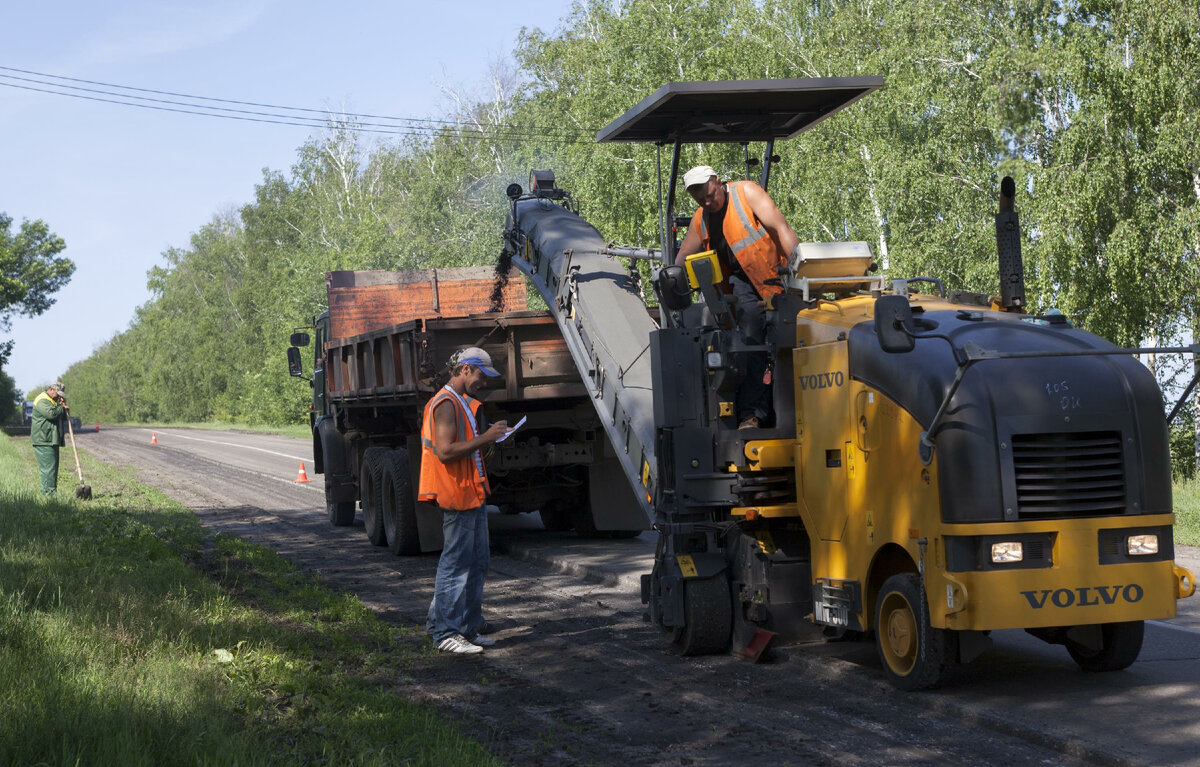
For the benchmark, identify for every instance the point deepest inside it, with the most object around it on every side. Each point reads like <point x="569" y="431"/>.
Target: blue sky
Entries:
<point x="121" y="185"/>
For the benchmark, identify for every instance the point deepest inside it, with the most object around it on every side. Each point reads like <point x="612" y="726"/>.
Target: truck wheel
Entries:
<point x="585" y="526"/>
<point x="622" y="535"/>
<point x="1121" y="646"/>
<point x="913" y="653"/>
<point x="556" y="516"/>
<point x="399" y="506"/>
<point x="707" y="615"/>
<point x="341" y="513"/>
<point x="370" y="492"/>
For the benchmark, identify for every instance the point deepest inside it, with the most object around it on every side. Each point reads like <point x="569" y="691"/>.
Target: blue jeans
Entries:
<point x="458" y="591"/>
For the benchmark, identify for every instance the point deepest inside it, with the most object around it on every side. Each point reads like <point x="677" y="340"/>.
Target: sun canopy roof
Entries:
<point x="736" y="110"/>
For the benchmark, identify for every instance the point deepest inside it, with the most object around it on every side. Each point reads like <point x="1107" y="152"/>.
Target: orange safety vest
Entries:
<point x="751" y="243"/>
<point x="458" y="485"/>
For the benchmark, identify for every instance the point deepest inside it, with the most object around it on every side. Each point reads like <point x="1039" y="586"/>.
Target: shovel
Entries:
<point x="83" y="492"/>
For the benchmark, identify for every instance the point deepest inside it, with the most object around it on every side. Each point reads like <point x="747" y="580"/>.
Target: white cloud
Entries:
<point x="155" y="29"/>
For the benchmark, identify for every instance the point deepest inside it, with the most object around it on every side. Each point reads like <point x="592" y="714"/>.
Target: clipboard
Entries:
<point x="512" y="429"/>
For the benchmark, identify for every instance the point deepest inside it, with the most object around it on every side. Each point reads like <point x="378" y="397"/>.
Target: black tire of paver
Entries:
<point x="370" y="492"/>
<point x="709" y="619"/>
<point x="341" y="513"/>
<point x="1122" y="644"/>
<point x="399" y="505"/>
<point x="913" y="653"/>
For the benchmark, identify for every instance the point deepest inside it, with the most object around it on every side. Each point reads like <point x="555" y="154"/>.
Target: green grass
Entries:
<point x="130" y="636"/>
<point x="1187" y="512"/>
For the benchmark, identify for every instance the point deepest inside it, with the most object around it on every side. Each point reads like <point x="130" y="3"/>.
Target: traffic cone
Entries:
<point x="302" y="476"/>
<point x="153" y="438"/>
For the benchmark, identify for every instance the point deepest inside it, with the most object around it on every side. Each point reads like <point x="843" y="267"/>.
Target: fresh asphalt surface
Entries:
<point x="1148" y="714"/>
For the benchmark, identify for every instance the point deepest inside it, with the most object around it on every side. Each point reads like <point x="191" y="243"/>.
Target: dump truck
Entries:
<point x="381" y="351"/>
<point x="940" y="465"/>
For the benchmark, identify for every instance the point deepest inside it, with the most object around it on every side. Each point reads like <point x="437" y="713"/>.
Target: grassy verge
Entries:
<point x="1187" y="512"/>
<point x="128" y="636"/>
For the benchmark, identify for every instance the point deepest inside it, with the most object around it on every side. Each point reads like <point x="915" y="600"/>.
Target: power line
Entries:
<point x="415" y="120"/>
<point x="409" y="126"/>
<point x="500" y="133"/>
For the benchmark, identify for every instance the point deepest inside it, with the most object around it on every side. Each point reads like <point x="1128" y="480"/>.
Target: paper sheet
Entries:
<point x="512" y="429"/>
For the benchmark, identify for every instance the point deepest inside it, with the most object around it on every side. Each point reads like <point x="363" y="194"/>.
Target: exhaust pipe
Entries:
<point x="1008" y="245"/>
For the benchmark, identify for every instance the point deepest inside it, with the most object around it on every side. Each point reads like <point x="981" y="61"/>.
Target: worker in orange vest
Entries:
<point x="741" y="222"/>
<point x="454" y="478"/>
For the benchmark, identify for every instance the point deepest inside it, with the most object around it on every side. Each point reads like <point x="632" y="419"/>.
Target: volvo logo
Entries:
<point x="1084" y="596"/>
<point x="822" y="380"/>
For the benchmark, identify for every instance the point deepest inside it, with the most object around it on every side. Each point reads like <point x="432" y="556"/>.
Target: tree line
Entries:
<point x="1091" y="106"/>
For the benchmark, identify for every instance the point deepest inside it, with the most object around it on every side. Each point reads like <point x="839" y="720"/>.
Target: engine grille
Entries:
<point x="1069" y="474"/>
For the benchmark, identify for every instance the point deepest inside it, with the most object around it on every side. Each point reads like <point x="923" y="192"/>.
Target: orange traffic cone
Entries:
<point x="302" y="476"/>
<point x="153" y="438"/>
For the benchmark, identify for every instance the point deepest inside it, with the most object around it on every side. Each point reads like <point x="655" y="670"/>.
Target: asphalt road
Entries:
<point x="1021" y="695"/>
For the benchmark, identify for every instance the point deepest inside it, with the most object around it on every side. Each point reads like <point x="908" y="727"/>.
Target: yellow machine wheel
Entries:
<point x="912" y="652"/>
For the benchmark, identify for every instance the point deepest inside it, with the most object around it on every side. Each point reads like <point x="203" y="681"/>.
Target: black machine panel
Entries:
<point x="1049" y="437"/>
<point x="736" y="110"/>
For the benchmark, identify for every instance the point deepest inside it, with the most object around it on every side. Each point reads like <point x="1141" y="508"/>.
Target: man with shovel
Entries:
<point x="46" y="433"/>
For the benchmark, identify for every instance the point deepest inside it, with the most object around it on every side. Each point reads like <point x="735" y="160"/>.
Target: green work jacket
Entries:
<point x="47" y="426"/>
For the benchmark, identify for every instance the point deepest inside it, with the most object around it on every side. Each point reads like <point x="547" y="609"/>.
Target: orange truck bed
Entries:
<point x="360" y="302"/>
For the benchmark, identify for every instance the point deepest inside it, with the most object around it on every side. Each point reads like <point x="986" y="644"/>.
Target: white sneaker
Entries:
<point x="481" y="641"/>
<point x="458" y="644"/>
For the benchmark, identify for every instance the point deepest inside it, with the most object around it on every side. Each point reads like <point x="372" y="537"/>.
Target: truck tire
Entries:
<point x="370" y="492"/>
<point x="913" y="653"/>
<point x="708" y="618"/>
<point x="585" y="526"/>
<point x="341" y="513"/>
<point x="1122" y="644"/>
<point x="399" y="505"/>
<point x="556" y="516"/>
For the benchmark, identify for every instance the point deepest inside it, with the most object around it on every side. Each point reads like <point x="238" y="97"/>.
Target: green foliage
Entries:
<point x="127" y="637"/>
<point x="1183" y="445"/>
<point x="30" y="272"/>
<point x="10" y="399"/>
<point x="1186" y="498"/>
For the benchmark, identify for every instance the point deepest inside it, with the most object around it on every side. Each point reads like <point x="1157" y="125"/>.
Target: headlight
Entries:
<point x="1007" y="551"/>
<point x="1140" y="545"/>
<point x="713" y="360"/>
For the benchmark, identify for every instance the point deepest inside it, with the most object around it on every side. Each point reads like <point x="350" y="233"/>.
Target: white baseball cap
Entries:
<point x="473" y="355"/>
<point x="697" y="175"/>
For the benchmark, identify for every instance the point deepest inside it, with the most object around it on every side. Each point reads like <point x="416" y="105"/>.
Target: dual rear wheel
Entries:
<point x="388" y="502"/>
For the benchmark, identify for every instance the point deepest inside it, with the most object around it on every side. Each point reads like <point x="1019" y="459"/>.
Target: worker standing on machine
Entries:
<point x="454" y="478"/>
<point x="752" y="241"/>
